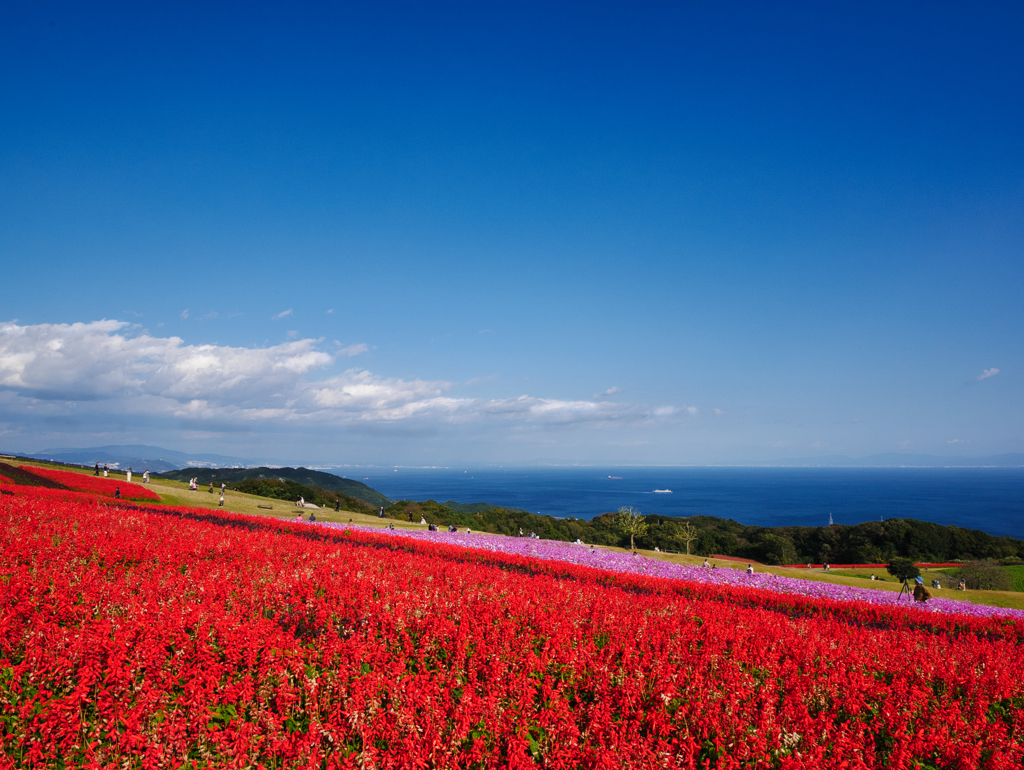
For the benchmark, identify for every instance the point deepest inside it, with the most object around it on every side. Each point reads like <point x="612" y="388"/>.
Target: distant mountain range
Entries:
<point x="159" y="460"/>
<point x="140" y="457"/>
<point x="897" y="460"/>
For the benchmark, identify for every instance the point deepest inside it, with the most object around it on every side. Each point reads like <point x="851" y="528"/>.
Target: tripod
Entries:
<point x="906" y="589"/>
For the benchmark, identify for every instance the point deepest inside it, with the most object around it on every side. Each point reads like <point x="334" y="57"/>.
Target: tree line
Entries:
<point x="873" y="542"/>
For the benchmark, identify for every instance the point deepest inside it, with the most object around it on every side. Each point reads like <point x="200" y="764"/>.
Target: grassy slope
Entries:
<point x="1017" y="573"/>
<point x="177" y="493"/>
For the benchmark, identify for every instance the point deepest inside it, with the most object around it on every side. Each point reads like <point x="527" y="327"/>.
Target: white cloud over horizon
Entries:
<point x="114" y="369"/>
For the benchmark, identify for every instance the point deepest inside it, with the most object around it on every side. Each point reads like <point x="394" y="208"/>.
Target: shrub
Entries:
<point x="985" y="576"/>
<point x="903" y="569"/>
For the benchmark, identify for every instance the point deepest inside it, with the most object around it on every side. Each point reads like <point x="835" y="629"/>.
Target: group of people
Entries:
<point x="106" y="472"/>
<point x="193" y="486"/>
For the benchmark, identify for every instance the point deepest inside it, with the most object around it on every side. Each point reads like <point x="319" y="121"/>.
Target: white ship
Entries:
<point x="663" y="491"/>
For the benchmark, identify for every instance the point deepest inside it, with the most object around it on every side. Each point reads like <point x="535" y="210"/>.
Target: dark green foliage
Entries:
<point x="985" y="576"/>
<point x="903" y="569"/>
<point x="290" y="490"/>
<point x="501" y="521"/>
<point x="872" y="542"/>
<point x="476" y="507"/>
<point x="303" y="476"/>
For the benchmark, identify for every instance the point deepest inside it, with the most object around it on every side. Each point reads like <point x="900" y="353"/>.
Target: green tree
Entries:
<point x="630" y="522"/>
<point x="688" y="536"/>
<point x="776" y="549"/>
<point x="903" y="569"/>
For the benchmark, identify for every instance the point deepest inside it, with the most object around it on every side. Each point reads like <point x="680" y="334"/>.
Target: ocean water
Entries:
<point x="989" y="499"/>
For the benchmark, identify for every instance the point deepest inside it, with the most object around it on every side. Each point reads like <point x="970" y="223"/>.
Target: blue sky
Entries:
<point x="459" y="234"/>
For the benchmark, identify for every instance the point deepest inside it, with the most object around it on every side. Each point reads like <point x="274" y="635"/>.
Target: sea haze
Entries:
<point x="989" y="499"/>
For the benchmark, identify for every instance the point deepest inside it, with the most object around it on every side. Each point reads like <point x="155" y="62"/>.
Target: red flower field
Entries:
<point x="94" y="485"/>
<point x="146" y="637"/>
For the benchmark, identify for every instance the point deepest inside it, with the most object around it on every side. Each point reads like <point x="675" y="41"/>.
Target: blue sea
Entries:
<point x="989" y="499"/>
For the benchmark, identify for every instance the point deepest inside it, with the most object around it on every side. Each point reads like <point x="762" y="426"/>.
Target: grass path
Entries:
<point x="178" y="493"/>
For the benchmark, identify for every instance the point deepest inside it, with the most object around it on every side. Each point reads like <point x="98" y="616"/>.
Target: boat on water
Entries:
<point x="663" y="491"/>
<point x="615" y="477"/>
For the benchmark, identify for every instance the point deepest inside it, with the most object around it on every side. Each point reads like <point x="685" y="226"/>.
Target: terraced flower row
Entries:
<point x="136" y="637"/>
<point x="625" y="563"/>
<point x="93" y="485"/>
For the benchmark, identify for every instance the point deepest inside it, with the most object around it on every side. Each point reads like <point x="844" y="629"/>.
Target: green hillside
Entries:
<point x="478" y="507"/>
<point x="302" y="476"/>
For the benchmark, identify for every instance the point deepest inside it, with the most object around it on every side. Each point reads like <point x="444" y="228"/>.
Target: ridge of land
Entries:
<point x="301" y="476"/>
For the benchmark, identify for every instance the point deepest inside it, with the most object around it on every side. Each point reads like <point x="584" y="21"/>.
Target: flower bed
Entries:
<point x="94" y="484"/>
<point x="625" y="563"/>
<point x="136" y="636"/>
<point x="9" y="474"/>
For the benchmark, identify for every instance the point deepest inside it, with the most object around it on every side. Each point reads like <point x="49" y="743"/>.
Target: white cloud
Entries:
<point x="610" y="392"/>
<point x="986" y="374"/>
<point x="351" y="350"/>
<point x="282" y="314"/>
<point x="330" y="312"/>
<point x="114" y="372"/>
<point x="184" y="313"/>
<point x="95" y="361"/>
<point x="959" y="441"/>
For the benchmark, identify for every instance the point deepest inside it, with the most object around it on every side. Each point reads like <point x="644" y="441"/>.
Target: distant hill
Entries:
<point x="478" y="507"/>
<point x="141" y="457"/>
<point x="303" y="476"/>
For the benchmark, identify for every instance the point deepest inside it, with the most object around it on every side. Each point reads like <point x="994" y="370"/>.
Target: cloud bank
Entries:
<point x="110" y="367"/>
